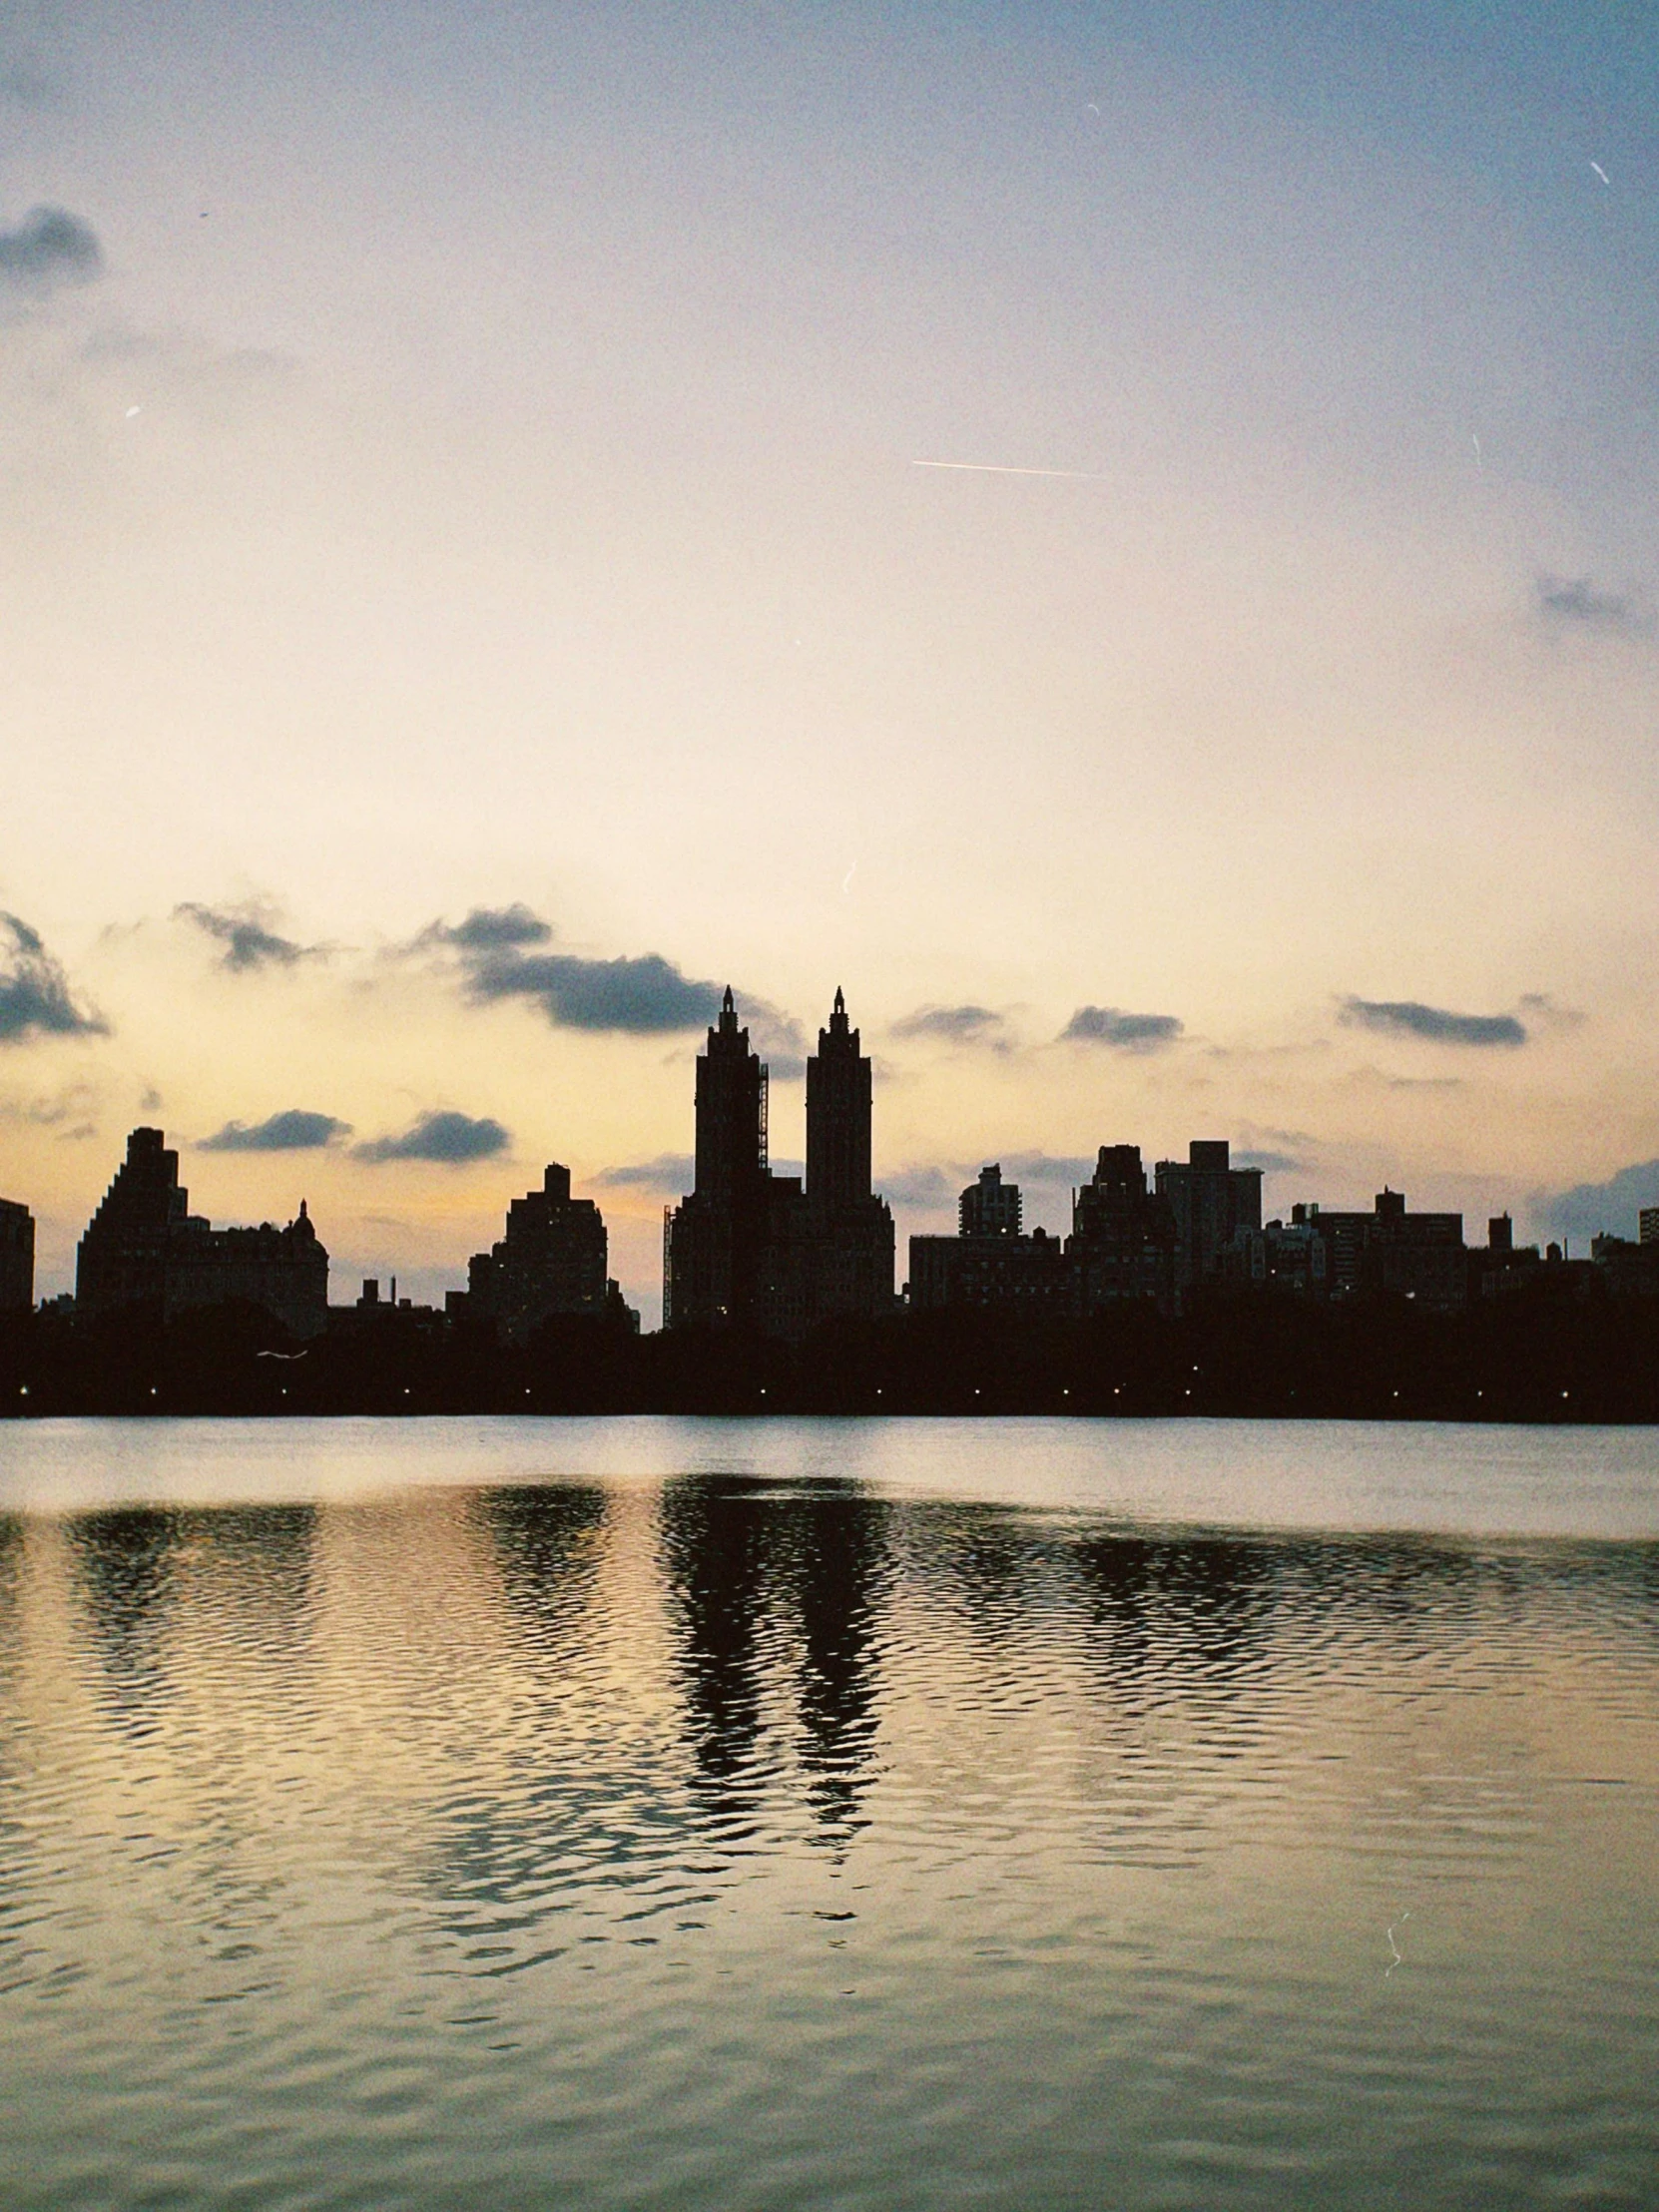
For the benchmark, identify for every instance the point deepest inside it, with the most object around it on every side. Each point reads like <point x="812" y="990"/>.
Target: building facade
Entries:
<point x="1210" y="1200"/>
<point x="1123" y="1241"/>
<point x="552" y="1260"/>
<point x="750" y="1249"/>
<point x="17" y="1258"/>
<point x="144" y="1247"/>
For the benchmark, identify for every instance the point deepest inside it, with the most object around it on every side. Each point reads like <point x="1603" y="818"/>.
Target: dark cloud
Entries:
<point x="641" y="997"/>
<point x="669" y="1173"/>
<point x="1589" y="1207"/>
<point x="246" y="933"/>
<point x="446" y="1137"/>
<point x="1270" y="1162"/>
<point x="1125" y="1032"/>
<point x="293" y="1131"/>
<point x="1408" y="1018"/>
<point x="495" y="929"/>
<point x="956" y="1024"/>
<point x="1575" y="599"/>
<point x="50" y="247"/>
<point x="636" y="996"/>
<point x="35" y="998"/>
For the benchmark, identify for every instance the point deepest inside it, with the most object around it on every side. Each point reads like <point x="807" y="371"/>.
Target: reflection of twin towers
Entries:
<point x="754" y="1249"/>
<point x="775" y="1602"/>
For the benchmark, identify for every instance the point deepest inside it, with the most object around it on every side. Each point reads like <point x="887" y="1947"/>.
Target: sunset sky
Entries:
<point x="462" y="530"/>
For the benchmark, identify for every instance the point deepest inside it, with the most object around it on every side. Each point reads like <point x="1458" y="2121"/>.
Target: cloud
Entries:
<point x="1575" y="599"/>
<point x="50" y="247"/>
<point x="1270" y="1162"/>
<point x="1124" y="1032"/>
<point x="1062" y="1170"/>
<point x="1408" y="1018"/>
<point x="293" y="1131"/>
<point x="73" y="1112"/>
<point x="35" y="997"/>
<point x="447" y="1136"/>
<point x="492" y="930"/>
<point x="956" y="1024"/>
<point x="1549" y="1016"/>
<point x="669" y="1173"/>
<point x="246" y="933"/>
<point x="930" y="1188"/>
<point x="639" y="997"/>
<point x="1588" y="1208"/>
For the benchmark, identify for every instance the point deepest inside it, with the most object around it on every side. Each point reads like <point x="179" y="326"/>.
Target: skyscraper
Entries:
<point x="850" y="1230"/>
<point x="17" y="1256"/>
<point x="752" y="1249"/>
<point x="837" y="1116"/>
<point x="714" y="1240"/>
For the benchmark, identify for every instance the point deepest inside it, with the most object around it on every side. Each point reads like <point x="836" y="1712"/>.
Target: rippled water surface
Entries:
<point x="834" y="1815"/>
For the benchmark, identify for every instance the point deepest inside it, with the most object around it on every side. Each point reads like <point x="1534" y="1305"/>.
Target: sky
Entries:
<point x="469" y="588"/>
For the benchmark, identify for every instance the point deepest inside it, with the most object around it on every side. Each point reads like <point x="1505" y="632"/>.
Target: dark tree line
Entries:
<point x="1522" y="1357"/>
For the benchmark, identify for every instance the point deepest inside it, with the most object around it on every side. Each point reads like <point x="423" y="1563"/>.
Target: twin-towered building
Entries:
<point x="747" y="1248"/>
<point x="779" y="1255"/>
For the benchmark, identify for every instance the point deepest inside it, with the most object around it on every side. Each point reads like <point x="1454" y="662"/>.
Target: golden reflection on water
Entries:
<point x="619" y="1840"/>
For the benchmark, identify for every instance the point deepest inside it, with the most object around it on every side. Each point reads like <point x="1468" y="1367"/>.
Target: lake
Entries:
<point x="838" y="1815"/>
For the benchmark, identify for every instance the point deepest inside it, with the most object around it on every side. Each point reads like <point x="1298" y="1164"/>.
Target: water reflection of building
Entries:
<point x="126" y="1558"/>
<point x="714" y="1541"/>
<point x="780" y="1592"/>
<point x="750" y="1249"/>
<point x="144" y="1247"/>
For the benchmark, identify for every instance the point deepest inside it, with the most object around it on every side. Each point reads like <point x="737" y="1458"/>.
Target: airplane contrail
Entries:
<point x="1002" y="468"/>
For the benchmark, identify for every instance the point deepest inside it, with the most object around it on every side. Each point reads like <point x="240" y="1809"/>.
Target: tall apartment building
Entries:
<point x="748" y="1248"/>
<point x="17" y="1258"/>
<point x="1210" y="1200"/>
<point x="551" y="1259"/>
<point x="1124" y="1239"/>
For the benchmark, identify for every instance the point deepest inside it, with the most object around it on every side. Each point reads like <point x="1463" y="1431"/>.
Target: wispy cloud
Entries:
<point x="49" y="247"/>
<point x="248" y="937"/>
<point x="1061" y="1170"/>
<point x="956" y="1025"/>
<point x="1408" y="1017"/>
<point x="35" y="997"/>
<point x="928" y="1188"/>
<point x="296" y="1130"/>
<point x="668" y="1174"/>
<point x="446" y="1137"/>
<point x="1575" y="600"/>
<point x="1108" y="1025"/>
<point x="1589" y="1207"/>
